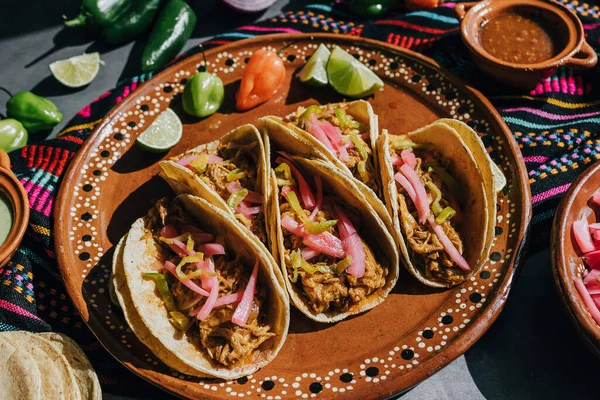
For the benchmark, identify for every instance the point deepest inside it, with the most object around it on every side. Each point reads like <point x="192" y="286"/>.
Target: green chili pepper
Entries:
<point x="200" y="163"/>
<point x="448" y="180"/>
<point x="346" y="122"/>
<point x="342" y="265"/>
<point x="198" y="257"/>
<point x="172" y="30"/>
<point x="236" y="198"/>
<point x="404" y="144"/>
<point x="295" y="258"/>
<point x="360" y="145"/>
<point x="163" y="289"/>
<point x="203" y="93"/>
<point x="314" y="109"/>
<point x="435" y="205"/>
<point x="13" y="135"/>
<point x="36" y="113"/>
<point x="362" y="171"/>
<point x="284" y="175"/>
<point x="309" y="226"/>
<point x="179" y="321"/>
<point x="236" y="175"/>
<point x="243" y="219"/>
<point x="117" y="20"/>
<point x="445" y="215"/>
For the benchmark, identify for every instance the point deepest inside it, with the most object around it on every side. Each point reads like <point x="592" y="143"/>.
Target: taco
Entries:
<point x="229" y="173"/>
<point x="336" y="254"/>
<point x="439" y="202"/>
<point x="343" y="134"/>
<point x="203" y="290"/>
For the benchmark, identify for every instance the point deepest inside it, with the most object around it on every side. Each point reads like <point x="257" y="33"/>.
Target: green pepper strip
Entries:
<point x="346" y="122"/>
<point x="243" y="219"/>
<point x="309" y="226"/>
<point x="308" y="112"/>
<point x="198" y="257"/>
<point x="236" y="175"/>
<point x="183" y="237"/>
<point x="403" y="144"/>
<point x="295" y="258"/>
<point x="445" y="215"/>
<point x="448" y="180"/>
<point x="179" y="321"/>
<point x="362" y="149"/>
<point x="437" y="196"/>
<point x="284" y="175"/>
<point x="200" y="163"/>
<point x="362" y="171"/>
<point x="236" y="198"/>
<point x="163" y="288"/>
<point x="342" y="265"/>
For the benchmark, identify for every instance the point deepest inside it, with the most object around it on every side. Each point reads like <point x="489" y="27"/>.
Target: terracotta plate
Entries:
<point x="414" y="333"/>
<point x="566" y="259"/>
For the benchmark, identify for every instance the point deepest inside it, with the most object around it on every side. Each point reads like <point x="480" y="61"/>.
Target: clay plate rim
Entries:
<point x="563" y="274"/>
<point x="469" y="335"/>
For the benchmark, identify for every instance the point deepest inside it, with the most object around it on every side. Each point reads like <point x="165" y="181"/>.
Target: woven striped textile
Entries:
<point x="555" y="125"/>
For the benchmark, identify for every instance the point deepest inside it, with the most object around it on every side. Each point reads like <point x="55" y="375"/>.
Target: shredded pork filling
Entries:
<point x="425" y="249"/>
<point x="224" y="342"/>
<point x="368" y="177"/>
<point x="325" y="290"/>
<point x="215" y="177"/>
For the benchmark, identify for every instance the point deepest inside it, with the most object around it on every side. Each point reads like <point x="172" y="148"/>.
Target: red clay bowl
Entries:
<point x="566" y="260"/>
<point x="574" y="52"/>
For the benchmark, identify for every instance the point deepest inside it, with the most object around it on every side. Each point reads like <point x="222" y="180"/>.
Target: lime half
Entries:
<point x="314" y="72"/>
<point x="350" y="77"/>
<point x="76" y="71"/>
<point x="164" y="133"/>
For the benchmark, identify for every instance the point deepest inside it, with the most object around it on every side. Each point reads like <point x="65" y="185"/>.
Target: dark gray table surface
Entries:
<point x="530" y="352"/>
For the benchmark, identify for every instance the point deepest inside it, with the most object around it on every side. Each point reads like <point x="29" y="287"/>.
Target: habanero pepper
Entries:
<point x="203" y="94"/>
<point x="36" y="113"/>
<point x="172" y="30"/>
<point x="263" y="76"/>
<point x="13" y="135"/>
<point x="117" y="20"/>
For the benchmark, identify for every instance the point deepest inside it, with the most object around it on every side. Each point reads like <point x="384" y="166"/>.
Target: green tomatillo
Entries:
<point x="13" y="135"/>
<point x="36" y="113"/>
<point x="203" y="94"/>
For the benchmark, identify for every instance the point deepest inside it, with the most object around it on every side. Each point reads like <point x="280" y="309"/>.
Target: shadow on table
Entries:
<point x="532" y="350"/>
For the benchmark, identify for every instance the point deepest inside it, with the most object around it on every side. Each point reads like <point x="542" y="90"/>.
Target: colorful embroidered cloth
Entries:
<point x="556" y="126"/>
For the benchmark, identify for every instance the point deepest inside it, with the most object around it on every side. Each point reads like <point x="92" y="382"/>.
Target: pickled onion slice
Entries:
<point x="448" y="245"/>
<point x="242" y="311"/>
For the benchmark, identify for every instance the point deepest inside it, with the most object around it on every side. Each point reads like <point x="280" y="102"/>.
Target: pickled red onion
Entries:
<point x="587" y="299"/>
<point x="316" y="130"/>
<point x="211" y="249"/>
<point x="596" y="198"/>
<point x="397" y="162"/>
<point x="305" y="193"/>
<point x="169" y="231"/>
<point x="209" y="304"/>
<point x="592" y="259"/>
<point x="308" y="253"/>
<point x="251" y="197"/>
<point x="323" y="242"/>
<point x="582" y="235"/>
<point x="401" y="179"/>
<point x="408" y="157"/>
<point x="448" y="245"/>
<point x="242" y="311"/>
<point x="179" y="248"/>
<point x="169" y="266"/>
<point x="352" y="244"/>
<point x="214" y="159"/>
<point x="422" y="202"/>
<point x="591" y="279"/>
<point x="185" y="161"/>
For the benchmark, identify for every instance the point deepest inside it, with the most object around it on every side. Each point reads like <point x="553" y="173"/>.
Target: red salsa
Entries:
<point x="518" y="38"/>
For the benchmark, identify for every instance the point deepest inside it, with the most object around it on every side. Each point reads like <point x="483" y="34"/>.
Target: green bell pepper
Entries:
<point x="36" y="113"/>
<point x="13" y="135"/>
<point x="174" y="27"/>
<point x="117" y="20"/>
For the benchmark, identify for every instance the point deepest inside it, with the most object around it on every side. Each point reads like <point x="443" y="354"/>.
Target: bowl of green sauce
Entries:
<point x="521" y="42"/>
<point x="14" y="210"/>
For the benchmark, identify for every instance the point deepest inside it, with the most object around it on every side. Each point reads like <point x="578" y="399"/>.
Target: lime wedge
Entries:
<point x="314" y="71"/>
<point x="164" y="133"/>
<point x="76" y="71"/>
<point x="350" y="77"/>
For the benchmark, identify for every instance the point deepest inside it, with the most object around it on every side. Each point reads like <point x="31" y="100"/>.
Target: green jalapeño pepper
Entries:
<point x="12" y="135"/>
<point x="117" y="20"/>
<point x="174" y="27"/>
<point x="36" y="113"/>
<point x="371" y="8"/>
<point x="203" y="94"/>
